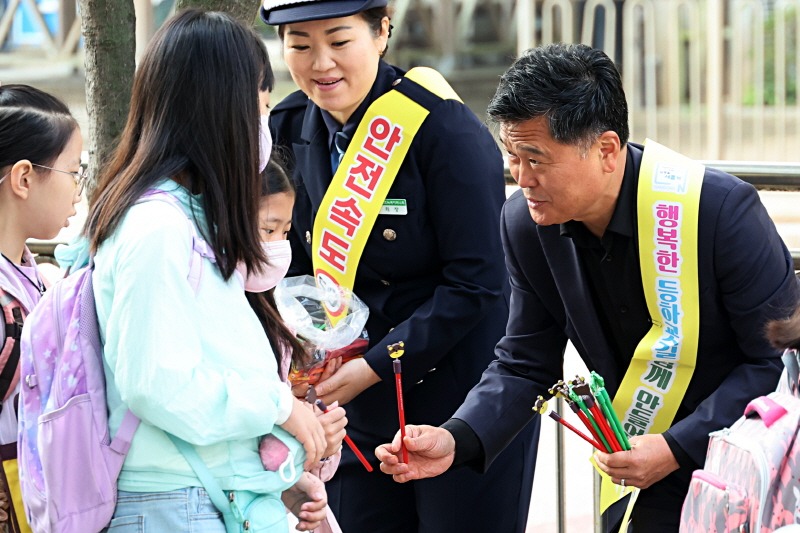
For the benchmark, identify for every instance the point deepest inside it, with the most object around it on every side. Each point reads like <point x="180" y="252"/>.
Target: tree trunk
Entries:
<point x="108" y="28"/>
<point x="244" y="10"/>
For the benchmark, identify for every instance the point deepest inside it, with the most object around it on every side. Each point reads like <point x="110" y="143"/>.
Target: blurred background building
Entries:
<point x="714" y="79"/>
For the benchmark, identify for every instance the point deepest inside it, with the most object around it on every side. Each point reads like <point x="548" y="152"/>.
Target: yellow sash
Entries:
<point x="12" y="475"/>
<point x="668" y="203"/>
<point x="355" y="196"/>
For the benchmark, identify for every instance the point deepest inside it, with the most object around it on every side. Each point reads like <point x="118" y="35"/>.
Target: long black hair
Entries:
<point x="21" y="95"/>
<point x="194" y="118"/>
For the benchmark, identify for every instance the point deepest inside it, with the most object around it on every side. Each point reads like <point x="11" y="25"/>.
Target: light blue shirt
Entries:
<point x="195" y="363"/>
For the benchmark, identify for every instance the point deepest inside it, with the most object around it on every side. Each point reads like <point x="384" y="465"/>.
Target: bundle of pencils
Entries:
<point x="591" y="403"/>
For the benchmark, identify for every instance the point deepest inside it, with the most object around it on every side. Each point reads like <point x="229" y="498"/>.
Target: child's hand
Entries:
<point x="333" y="422"/>
<point x="307" y="499"/>
<point x="306" y="428"/>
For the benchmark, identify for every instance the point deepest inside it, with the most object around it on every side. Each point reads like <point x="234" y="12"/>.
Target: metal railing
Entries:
<point x="710" y="78"/>
<point x="61" y="43"/>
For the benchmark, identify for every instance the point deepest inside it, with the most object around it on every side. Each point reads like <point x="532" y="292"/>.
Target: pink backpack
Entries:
<point x="68" y="464"/>
<point x="751" y="478"/>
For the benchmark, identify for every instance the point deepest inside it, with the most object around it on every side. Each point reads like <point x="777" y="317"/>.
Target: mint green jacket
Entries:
<point x="195" y="363"/>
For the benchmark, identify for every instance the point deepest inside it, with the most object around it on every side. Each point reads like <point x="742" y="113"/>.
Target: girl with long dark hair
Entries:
<point x="188" y="359"/>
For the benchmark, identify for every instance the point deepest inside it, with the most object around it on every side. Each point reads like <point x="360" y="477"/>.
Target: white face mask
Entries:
<point x="264" y="143"/>
<point x="279" y="254"/>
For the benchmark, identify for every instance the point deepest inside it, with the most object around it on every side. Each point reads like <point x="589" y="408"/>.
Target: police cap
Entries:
<point x="276" y="12"/>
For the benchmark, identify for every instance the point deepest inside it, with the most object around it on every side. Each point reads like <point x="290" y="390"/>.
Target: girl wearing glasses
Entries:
<point x="40" y="182"/>
<point x="42" y="178"/>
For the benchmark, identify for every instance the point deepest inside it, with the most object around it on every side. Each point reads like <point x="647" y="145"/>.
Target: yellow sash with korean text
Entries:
<point x="358" y="189"/>
<point x="668" y="205"/>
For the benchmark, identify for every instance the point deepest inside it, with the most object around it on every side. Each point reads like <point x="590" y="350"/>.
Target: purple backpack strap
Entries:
<point x="199" y="246"/>
<point x="88" y="317"/>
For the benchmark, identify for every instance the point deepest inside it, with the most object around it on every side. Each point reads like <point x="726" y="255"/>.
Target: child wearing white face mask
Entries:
<point x="274" y="223"/>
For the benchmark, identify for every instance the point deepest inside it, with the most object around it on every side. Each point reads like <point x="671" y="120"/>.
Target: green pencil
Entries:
<point x="597" y="384"/>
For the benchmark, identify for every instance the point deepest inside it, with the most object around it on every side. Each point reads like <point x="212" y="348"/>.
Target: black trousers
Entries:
<point x="459" y="500"/>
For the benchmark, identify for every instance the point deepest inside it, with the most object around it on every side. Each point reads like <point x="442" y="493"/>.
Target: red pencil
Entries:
<point x="395" y="352"/>
<point x="348" y="440"/>
<point x="605" y="428"/>
<point x="401" y="412"/>
<point x="311" y="397"/>
<point x="589" y="427"/>
<point x="555" y="416"/>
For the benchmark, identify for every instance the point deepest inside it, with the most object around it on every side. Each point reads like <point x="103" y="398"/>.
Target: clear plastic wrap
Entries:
<point x="299" y="302"/>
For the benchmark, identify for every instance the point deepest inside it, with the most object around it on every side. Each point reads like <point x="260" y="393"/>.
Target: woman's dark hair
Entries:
<point x="374" y="18"/>
<point x="34" y="125"/>
<point x="577" y="88"/>
<point x="194" y="118"/>
<point x="785" y="333"/>
<point x="274" y="180"/>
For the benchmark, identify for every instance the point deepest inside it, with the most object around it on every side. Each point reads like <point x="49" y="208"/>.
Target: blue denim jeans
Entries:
<point x="191" y="510"/>
<point x="187" y="510"/>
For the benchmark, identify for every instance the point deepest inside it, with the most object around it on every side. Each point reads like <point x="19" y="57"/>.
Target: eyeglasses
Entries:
<point x="79" y="176"/>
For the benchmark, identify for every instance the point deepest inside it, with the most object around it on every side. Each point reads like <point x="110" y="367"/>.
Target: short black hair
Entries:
<point x="578" y="89"/>
<point x="34" y="125"/>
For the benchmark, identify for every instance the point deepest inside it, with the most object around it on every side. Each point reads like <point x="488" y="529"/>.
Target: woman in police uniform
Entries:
<point x="431" y="271"/>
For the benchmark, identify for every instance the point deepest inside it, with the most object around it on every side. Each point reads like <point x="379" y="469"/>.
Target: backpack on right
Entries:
<point x="751" y="479"/>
